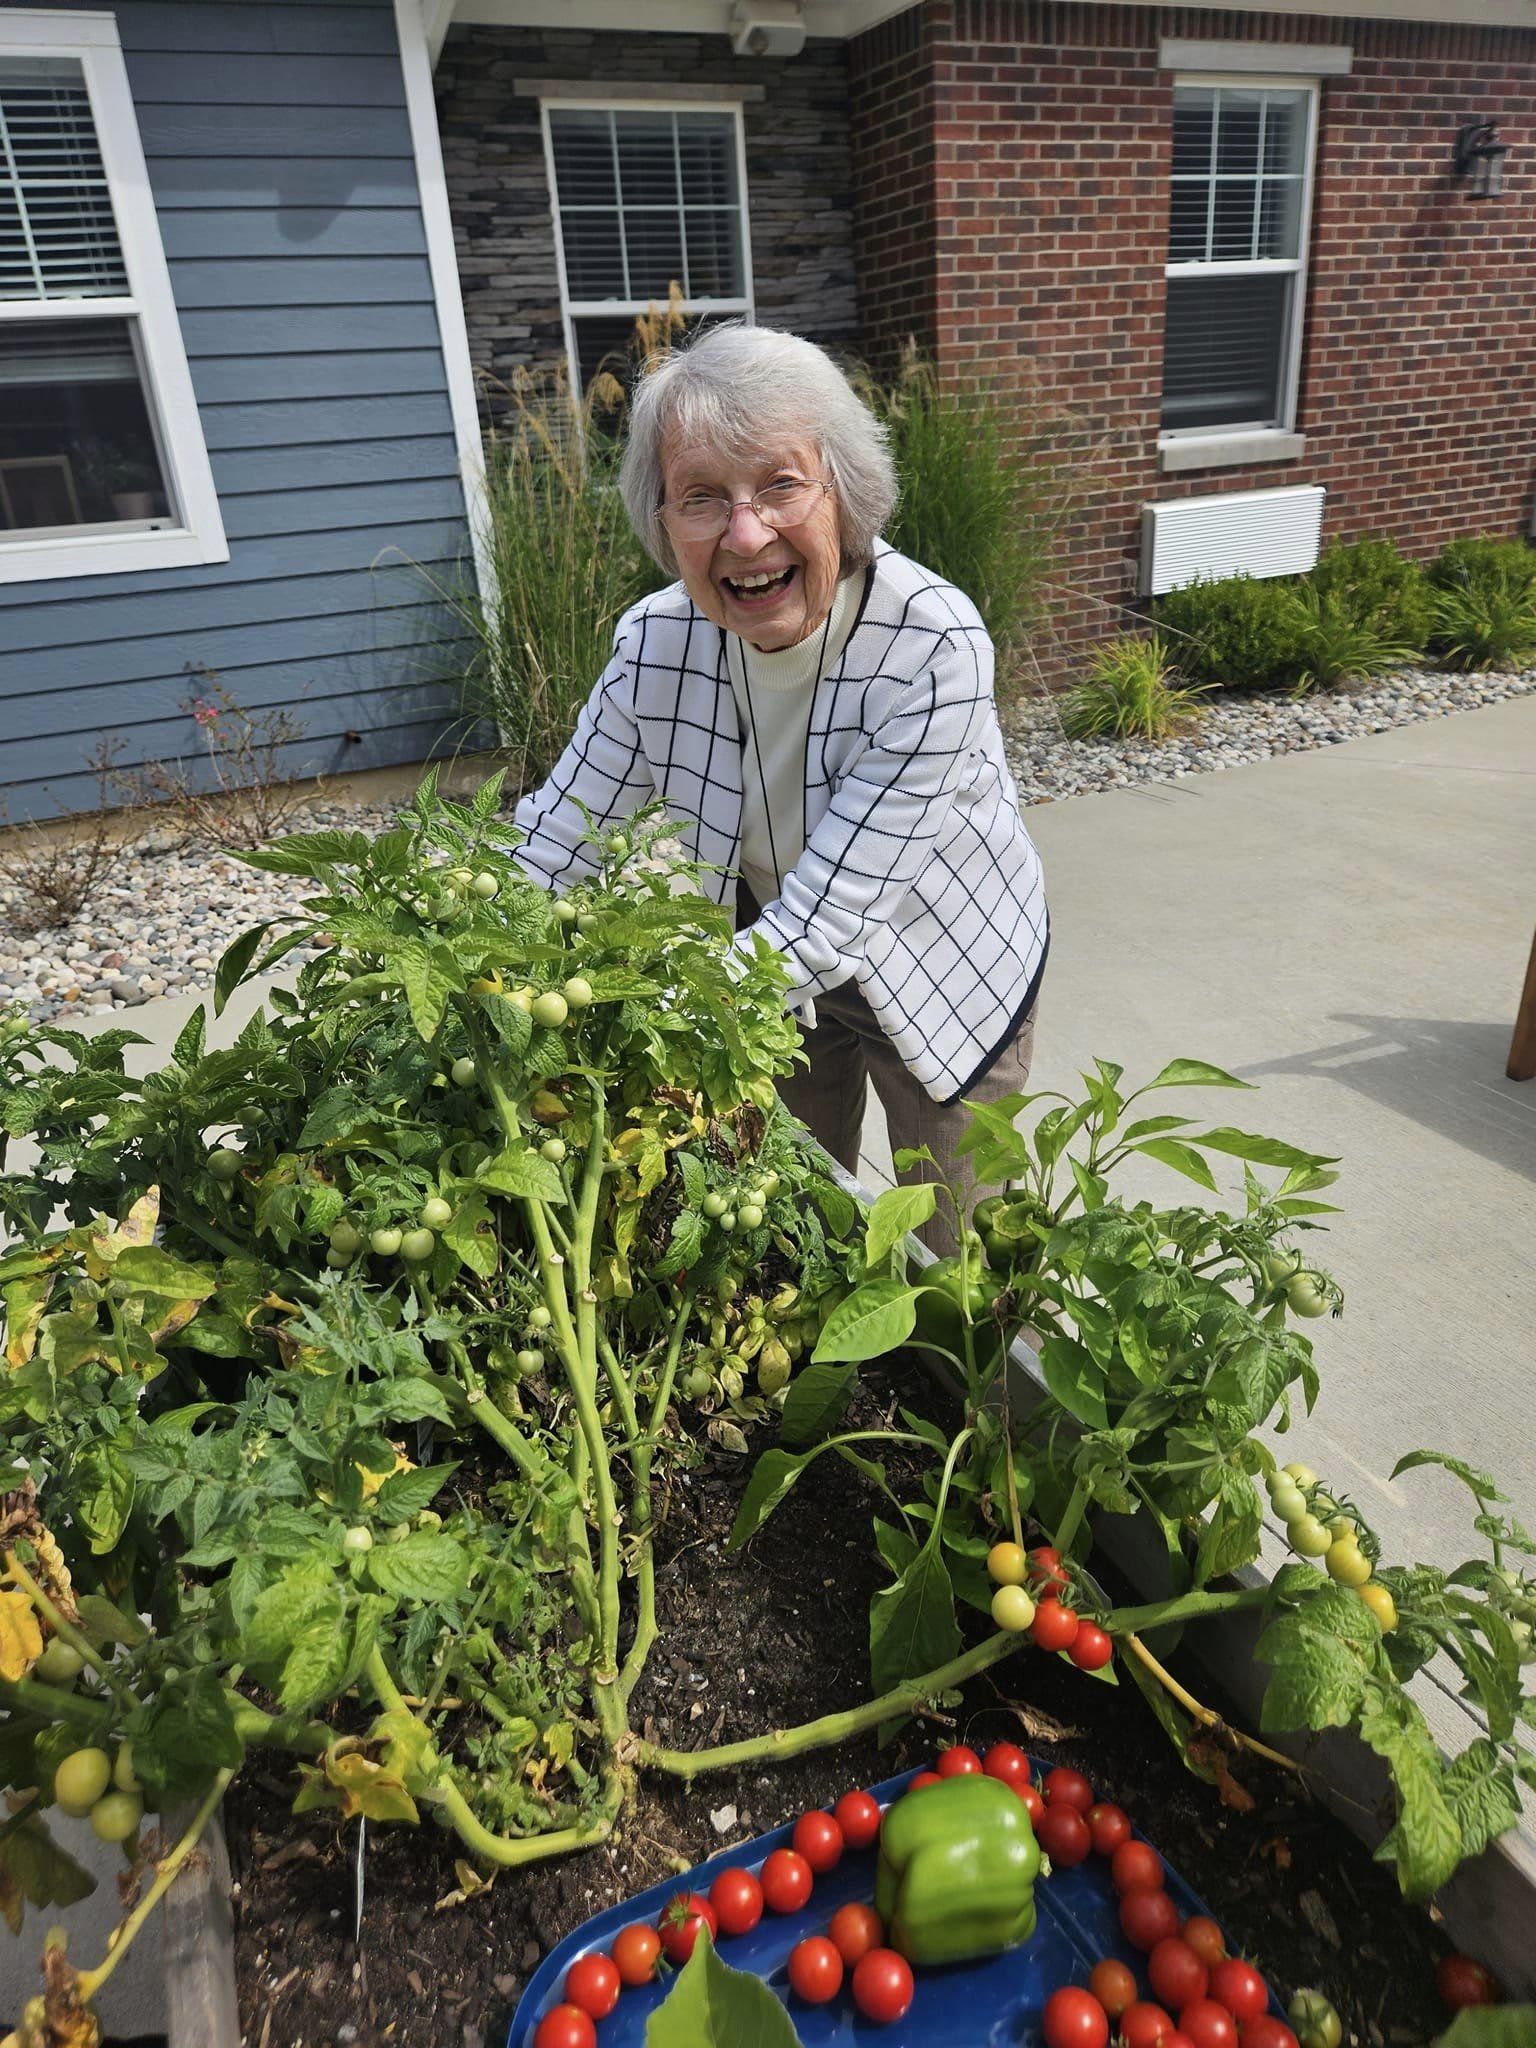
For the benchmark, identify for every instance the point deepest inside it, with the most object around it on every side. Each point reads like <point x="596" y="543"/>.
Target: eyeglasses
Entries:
<point x="702" y="515"/>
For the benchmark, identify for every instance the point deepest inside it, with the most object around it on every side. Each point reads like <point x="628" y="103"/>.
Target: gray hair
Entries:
<point x="738" y="389"/>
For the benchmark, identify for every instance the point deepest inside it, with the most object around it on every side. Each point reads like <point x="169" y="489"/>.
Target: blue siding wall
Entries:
<point x="280" y="157"/>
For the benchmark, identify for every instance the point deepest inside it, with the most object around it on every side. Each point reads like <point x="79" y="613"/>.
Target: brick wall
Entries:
<point x="799" y="177"/>
<point x="1031" y="139"/>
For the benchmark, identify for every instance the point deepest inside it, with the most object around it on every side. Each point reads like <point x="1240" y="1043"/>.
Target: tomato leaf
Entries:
<point x="1478" y="1482"/>
<point x="1481" y="1791"/>
<point x="1425" y="1841"/>
<point x="521" y="1171"/>
<point x="874" y="1319"/>
<point x="1075" y="1379"/>
<point x="713" y="2006"/>
<point x="34" y="1869"/>
<point x="234" y="962"/>
<point x="1491" y="2026"/>
<point x="772" y="1477"/>
<point x="425" y="1566"/>
<point x="816" y="1402"/>
<point x="405" y="1494"/>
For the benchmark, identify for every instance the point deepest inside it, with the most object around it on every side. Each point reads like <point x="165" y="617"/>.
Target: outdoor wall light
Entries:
<point x="1479" y="158"/>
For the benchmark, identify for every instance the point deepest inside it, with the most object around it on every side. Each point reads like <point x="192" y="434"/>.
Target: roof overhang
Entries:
<point x="841" y="19"/>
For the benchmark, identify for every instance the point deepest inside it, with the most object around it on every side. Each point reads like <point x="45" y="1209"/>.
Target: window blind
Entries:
<point x="58" y="235"/>
<point x="645" y="198"/>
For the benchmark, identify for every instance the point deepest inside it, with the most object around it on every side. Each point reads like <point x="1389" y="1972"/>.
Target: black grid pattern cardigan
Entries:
<point x="919" y="882"/>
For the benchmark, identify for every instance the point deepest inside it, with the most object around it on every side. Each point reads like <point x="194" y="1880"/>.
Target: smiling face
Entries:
<point x="772" y="585"/>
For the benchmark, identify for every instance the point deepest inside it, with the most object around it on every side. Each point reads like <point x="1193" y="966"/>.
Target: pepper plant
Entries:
<point x="1167" y="1343"/>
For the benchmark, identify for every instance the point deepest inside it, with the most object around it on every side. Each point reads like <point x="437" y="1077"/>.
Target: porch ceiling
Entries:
<point x="845" y="18"/>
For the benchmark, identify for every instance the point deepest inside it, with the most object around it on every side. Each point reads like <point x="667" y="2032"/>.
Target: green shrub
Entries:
<point x="1367" y="582"/>
<point x="1340" y="639"/>
<point x="1132" y="689"/>
<point x="987" y="482"/>
<point x="1485" y="602"/>
<point x="1236" y="632"/>
<point x="566" y="566"/>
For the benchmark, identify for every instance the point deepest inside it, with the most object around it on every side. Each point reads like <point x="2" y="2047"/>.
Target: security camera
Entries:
<point x="767" y="28"/>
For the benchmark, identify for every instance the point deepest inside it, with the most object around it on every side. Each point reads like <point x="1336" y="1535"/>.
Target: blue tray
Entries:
<point x="995" y="2003"/>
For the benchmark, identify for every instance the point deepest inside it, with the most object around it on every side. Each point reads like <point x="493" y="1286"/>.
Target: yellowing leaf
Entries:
<point x="21" y="1639"/>
<point x="24" y="1302"/>
<point x="367" y="1788"/>
<point x="372" y="1481"/>
<point x="470" y="1883"/>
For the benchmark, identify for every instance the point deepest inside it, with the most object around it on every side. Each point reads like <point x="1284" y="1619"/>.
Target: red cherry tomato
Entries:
<point x="786" y="1880"/>
<point x="815" y="1970"/>
<point x="1063" y="1787"/>
<point x="1113" y="1984"/>
<point x="1136" y="1866"/>
<point x="593" y="1983"/>
<point x="635" y="1951"/>
<point x="1264" y="2032"/>
<point x="684" y="1919"/>
<point x="1147" y="1916"/>
<point x="1177" y="2039"/>
<point x="924" y="1778"/>
<point x="737" y="1898"/>
<point x="1461" y="1981"/>
<point x="855" y="1930"/>
<point x="1090" y="1649"/>
<point x="819" y="1839"/>
<point x="566" y="2026"/>
<point x="1205" y="1938"/>
<point x="858" y="1815"/>
<point x="1176" y="1973"/>
<point x="1074" y="2018"/>
<point x="1063" y="1835"/>
<point x="959" y="1761"/>
<point x="882" y="1986"/>
<point x="1006" y="1762"/>
<point x="1045" y="1570"/>
<point x="1109" y="1825"/>
<point x="1034" y="1805"/>
<point x="1239" y="1987"/>
<point x="1054" y="1626"/>
<point x="1208" y="2024"/>
<point x="1144" y="2025"/>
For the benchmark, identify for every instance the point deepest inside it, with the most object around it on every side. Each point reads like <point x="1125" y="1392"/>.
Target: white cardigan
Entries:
<point x="919" y="883"/>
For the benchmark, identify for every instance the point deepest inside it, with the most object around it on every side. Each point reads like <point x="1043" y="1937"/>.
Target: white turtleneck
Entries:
<point x="774" y="693"/>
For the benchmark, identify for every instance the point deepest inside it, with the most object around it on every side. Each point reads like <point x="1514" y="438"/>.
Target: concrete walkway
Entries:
<point x="1348" y="929"/>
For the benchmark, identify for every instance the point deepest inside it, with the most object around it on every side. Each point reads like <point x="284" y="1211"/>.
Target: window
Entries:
<point x="646" y="197"/>
<point x="102" y="462"/>
<point x="1241" y="190"/>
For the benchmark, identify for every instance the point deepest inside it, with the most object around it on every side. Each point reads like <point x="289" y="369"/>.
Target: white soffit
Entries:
<point x="1290" y="60"/>
<point x="1234" y="533"/>
<point x="844" y="18"/>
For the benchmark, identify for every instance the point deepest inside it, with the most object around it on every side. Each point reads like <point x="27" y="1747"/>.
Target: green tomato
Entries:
<point x="539" y="1317"/>
<point x="225" y="1163"/>
<point x="1281" y="1264"/>
<point x="750" y="1216"/>
<point x="1012" y="1609"/>
<point x="1302" y="1474"/>
<point x="1289" y="1502"/>
<point x="485" y="886"/>
<point x="617" y="844"/>
<point x="588" y="921"/>
<point x="115" y="1816"/>
<point x="550" y="1009"/>
<point x="346" y="1238"/>
<point x="771" y="1184"/>
<point x="1307" y="1536"/>
<point x="728" y="1286"/>
<point x="60" y="1664"/>
<point x="385" y="1242"/>
<point x="714" y="1206"/>
<point x="529" y="1360"/>
<point x="697" y="1382"/>
<point x="1346" y="1563"/>
<point x="565" y="910"/>
<point x="728" y="1221"/>
<point x="578" y="991"/>
<point x="124" y="1776"/>
<point x="553" y="1149"/>
<point x="1343" y="1525"/>
<point x="1307" y="1296"/>
<point x="436" y="1214"/>
<point x="1316" y="2023"/>
<point x="463" y="1071"/>
<point x="522" y="999"/>
<point x="337" y="1261"/>
<point x="417" y="1245"/>
<point x="357" y="1540"/>
<point x="81" y="1779"/>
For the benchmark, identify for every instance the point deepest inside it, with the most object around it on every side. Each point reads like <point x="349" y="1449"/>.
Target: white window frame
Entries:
<point x="616" y="103"/>
<point x="1258" y="440"/>
<point x="194" y="534"/>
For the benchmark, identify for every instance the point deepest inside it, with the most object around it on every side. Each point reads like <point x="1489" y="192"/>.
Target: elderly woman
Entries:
<point x="816" y="711"/>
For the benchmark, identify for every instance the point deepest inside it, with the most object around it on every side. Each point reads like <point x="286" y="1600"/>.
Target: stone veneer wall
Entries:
<point x="799" y="178"/>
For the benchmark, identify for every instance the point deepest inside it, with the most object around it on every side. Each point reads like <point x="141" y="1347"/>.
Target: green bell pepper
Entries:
<point x="957" y="1869"/>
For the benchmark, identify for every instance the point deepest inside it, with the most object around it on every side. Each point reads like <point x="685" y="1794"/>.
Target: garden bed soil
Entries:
<point x="774" y="1636"/>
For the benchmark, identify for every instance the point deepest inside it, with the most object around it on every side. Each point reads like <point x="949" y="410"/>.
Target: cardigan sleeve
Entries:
<point x="888" y="813"/>
<point x="603" y="769"/>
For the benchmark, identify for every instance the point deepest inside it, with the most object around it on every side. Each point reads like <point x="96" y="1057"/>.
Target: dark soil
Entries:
<point x="775" y="1636"/>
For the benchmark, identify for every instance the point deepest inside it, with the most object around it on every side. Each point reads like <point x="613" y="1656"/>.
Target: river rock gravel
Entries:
<point x="157" y="924"/>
